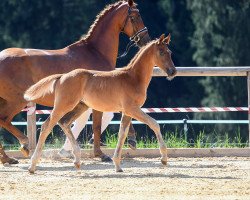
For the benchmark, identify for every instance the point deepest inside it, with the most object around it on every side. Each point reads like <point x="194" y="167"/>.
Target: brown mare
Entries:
<point x="122" y="90"/>
<point x="21" y="68"/>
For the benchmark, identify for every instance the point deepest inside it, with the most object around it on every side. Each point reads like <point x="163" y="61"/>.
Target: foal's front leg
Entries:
<point x="139" y="115"/>
<point x="123" y="132"/>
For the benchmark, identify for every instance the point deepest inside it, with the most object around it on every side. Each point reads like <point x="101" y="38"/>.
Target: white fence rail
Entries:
<point x="181" y="71"/>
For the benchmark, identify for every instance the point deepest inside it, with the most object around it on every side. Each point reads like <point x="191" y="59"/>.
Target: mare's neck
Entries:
<point x="105" y="38"/>
<point x="143" y="67"/>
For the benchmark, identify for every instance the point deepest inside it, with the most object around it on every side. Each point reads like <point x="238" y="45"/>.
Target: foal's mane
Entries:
<point x="100" y="16"/>
<point x="139" y="53"/>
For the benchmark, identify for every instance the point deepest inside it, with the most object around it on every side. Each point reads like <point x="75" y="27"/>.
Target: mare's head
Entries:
<point x="132" y="24"/>
<point x="163" y="58"/>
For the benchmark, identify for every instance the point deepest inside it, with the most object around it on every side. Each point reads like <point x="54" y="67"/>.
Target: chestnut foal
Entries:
<point x="123" y="90"/>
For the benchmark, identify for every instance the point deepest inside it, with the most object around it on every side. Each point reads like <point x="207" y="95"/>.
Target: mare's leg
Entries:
<point x="7" y="111"/>
<point x="132" y="137"/>
<point x="65" y="124"/>
<point x="97" y="123"/>
<point x="139" y="115"/>
<point x="4" y="158"/>
<point x="123" y="132"/>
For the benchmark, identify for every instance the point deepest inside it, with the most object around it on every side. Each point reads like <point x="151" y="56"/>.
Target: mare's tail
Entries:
<point x="41" y="88"/>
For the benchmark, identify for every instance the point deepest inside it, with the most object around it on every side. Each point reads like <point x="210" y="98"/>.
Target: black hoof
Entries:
<point x="11" y="161"/>
<point x="106" y="158"/>
<point x="132" y="144"/>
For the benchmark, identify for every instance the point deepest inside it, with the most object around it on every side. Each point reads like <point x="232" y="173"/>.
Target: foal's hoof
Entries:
<point x="106" y="158"/>
<point x="77" y="165"/>
<point x="119" y="170"/>
<point x="11" y="161"/>
<point x="132" y="144"/>
<point x="25" y="151"/>
<point x="164" y="162"/>
<point x="31" y="171"/>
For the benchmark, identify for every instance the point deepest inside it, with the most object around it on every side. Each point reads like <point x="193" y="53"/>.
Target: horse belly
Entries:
<point x="103" y="101"/>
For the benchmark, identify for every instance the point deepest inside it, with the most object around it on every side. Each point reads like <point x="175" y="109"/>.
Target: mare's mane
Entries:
<point x="100" y="16"/>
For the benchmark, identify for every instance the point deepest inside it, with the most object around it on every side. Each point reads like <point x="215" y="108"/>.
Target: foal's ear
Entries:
<point x="161" y="39"/>
<point x="167" y="39"/>
<point x="130" y="3"/>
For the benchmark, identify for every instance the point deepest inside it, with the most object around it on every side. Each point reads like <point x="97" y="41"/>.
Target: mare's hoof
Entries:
<point x="106" y="158"/>
<point x="25" y="151"/>
<point x="164" y="162"/>
<point x="132" y="144"/>
<point x="11" y="161"/>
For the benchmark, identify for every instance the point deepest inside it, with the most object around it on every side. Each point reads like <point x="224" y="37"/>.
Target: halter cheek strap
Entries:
<point x="133" y="39"/>
<point x="136" y="37"/>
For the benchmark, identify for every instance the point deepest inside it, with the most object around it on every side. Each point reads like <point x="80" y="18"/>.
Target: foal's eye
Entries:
<point x="132" y="18"/>
<point x="162" y="53"/>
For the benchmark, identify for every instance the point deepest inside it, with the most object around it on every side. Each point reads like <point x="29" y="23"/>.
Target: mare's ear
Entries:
<point x="130" y="3"/>
<point x="161" y="39"/>
<point x="168" y="39"/>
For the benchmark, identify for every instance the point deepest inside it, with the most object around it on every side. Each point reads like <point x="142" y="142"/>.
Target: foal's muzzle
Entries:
<point x="171" y="72"/>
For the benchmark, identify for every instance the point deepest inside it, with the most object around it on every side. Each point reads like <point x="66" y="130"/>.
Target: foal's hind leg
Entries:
<point x="65" y="124"/>
<point x="63" y="105"/>
<point x="97" y="123"/>
<point x="45" y="131"/>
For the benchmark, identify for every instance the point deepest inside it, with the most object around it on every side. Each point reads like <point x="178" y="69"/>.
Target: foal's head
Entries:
<point x="163" y="58"/>
<point x="132" y="24"/>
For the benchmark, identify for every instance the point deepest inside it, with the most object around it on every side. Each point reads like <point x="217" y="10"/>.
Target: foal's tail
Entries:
<point x="42" y="88"/>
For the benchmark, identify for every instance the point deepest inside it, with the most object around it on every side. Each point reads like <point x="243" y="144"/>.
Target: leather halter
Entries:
<point x="137" y="36"/>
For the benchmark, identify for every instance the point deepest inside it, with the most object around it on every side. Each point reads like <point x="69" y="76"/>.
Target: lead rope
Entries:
<point x="129" y="46"/>
<point x="133" y="41"/>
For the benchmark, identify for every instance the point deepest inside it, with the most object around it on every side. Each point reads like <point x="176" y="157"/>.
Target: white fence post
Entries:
<point x="31" y="125"/>
<point x="248" y="90"/>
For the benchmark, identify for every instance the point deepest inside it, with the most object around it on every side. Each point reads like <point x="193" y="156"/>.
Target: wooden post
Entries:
<point x="31" y="125"/>
<point x="248" y="90"/>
